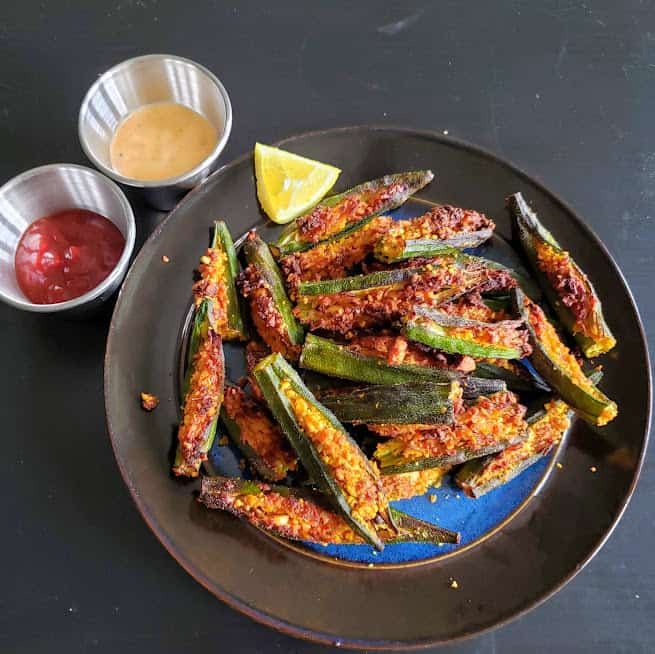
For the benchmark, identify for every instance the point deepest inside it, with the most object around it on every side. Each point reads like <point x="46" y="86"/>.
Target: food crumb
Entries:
<point x="445" y="132"/>
<point x="593" y="469"/>
<point x="149" y="401"/>
<point x="559" y="465"/>
<point x="454" y="584"/>
<point x="165" y="259"/>
<point x="636" y="596"/>
<point x="223" y="440"/>
<point x="433" y="498"/>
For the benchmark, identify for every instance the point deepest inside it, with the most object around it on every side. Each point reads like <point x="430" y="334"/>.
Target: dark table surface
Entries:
<point x="565" y="89"/>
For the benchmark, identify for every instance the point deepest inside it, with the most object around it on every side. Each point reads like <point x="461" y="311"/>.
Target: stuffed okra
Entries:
<point x="366" y="301"/>
<point x="555" y="363"/>
<point x="440" y="228"/>
<point x="566" y="286"/>
<point x="331" y="457"/>
<point x="272" y="314"/>
<point x="506" y="339"/>
<point x="218" y="271"/>
<point x="257" y="435"/>
<point x="545" y="430"/>
<point x="203" y="394"/>
<point x="428" y="402"/>
<point x="489" y="424"/>
<point x="292" y="514"/>
<point x="335" y="360"/>
<point x="332" y="259"/>
<point x="338" y="212"/>
<point x="405" y="485"/>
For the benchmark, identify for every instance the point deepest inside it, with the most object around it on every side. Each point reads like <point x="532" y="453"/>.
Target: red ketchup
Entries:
<point x="66" y="254"/>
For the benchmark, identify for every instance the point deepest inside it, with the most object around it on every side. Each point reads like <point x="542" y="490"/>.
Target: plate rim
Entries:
<point x="321" y="637"/>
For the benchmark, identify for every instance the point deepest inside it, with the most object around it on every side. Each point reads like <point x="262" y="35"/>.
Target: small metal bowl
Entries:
<point x="145" y="80"/>
<point x="45" y="190"/>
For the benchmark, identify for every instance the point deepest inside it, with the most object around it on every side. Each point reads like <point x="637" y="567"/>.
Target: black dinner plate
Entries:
<point x="511" y="569"/>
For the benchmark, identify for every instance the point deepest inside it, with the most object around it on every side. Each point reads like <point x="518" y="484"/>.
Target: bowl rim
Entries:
<point x="121" y="265"/>
<point x="170" y="181"/>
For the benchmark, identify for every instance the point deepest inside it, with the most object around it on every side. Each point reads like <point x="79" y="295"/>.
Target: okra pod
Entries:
<point x="565" y="285"/>
<point x="218" y="271"/>
<point x="555" y="363"/>
<point x="203" y="394"/>
<point x="335" y="360"/>
<point x="338" y="212"/>
<point x="332" y="458"/>
<point x="272" y="313"/>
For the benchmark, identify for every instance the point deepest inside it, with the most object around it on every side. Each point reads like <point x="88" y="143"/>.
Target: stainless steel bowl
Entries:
<point x="144" y="80"/>
<point x="42" y="191"/>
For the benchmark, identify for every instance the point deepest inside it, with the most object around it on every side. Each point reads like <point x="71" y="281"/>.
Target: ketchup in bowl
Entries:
<point x="66" y="254"/>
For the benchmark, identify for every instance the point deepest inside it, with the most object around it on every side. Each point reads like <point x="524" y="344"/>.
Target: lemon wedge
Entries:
<point x="289" y="185"/>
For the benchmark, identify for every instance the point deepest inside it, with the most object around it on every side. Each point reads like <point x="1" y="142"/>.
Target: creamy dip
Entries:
<point x="161" y="140"/>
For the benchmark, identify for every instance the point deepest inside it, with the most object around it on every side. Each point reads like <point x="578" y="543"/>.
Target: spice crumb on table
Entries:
<point x="149" y="402"/>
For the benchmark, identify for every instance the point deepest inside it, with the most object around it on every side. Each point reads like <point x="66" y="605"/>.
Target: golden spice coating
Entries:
<point x="212" y="286"/>
<point x="441" y="222"/>
<point x="490" y="420"/>
<point x="349" y="311"/>
<point x="562" y="356"/>
<point x="472" y="307"/>
<point x="324" y="221"/>
<point x="395" y="349"/>
<point x="543" y="434"/>
<point x="202" y="403"/>
<point x="506" y="333"/>
<point x="334" y="259"/>
<point x="410" y="484"/>
<point x="273" y="457"/>
<point x="573" y="289"/>
<point x="287" y="515"/>
<point x="345" y="462"/>
<point x="266" y="317"/>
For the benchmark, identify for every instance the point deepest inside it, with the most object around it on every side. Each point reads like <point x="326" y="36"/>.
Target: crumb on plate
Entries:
<point x="149" y="401"/>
